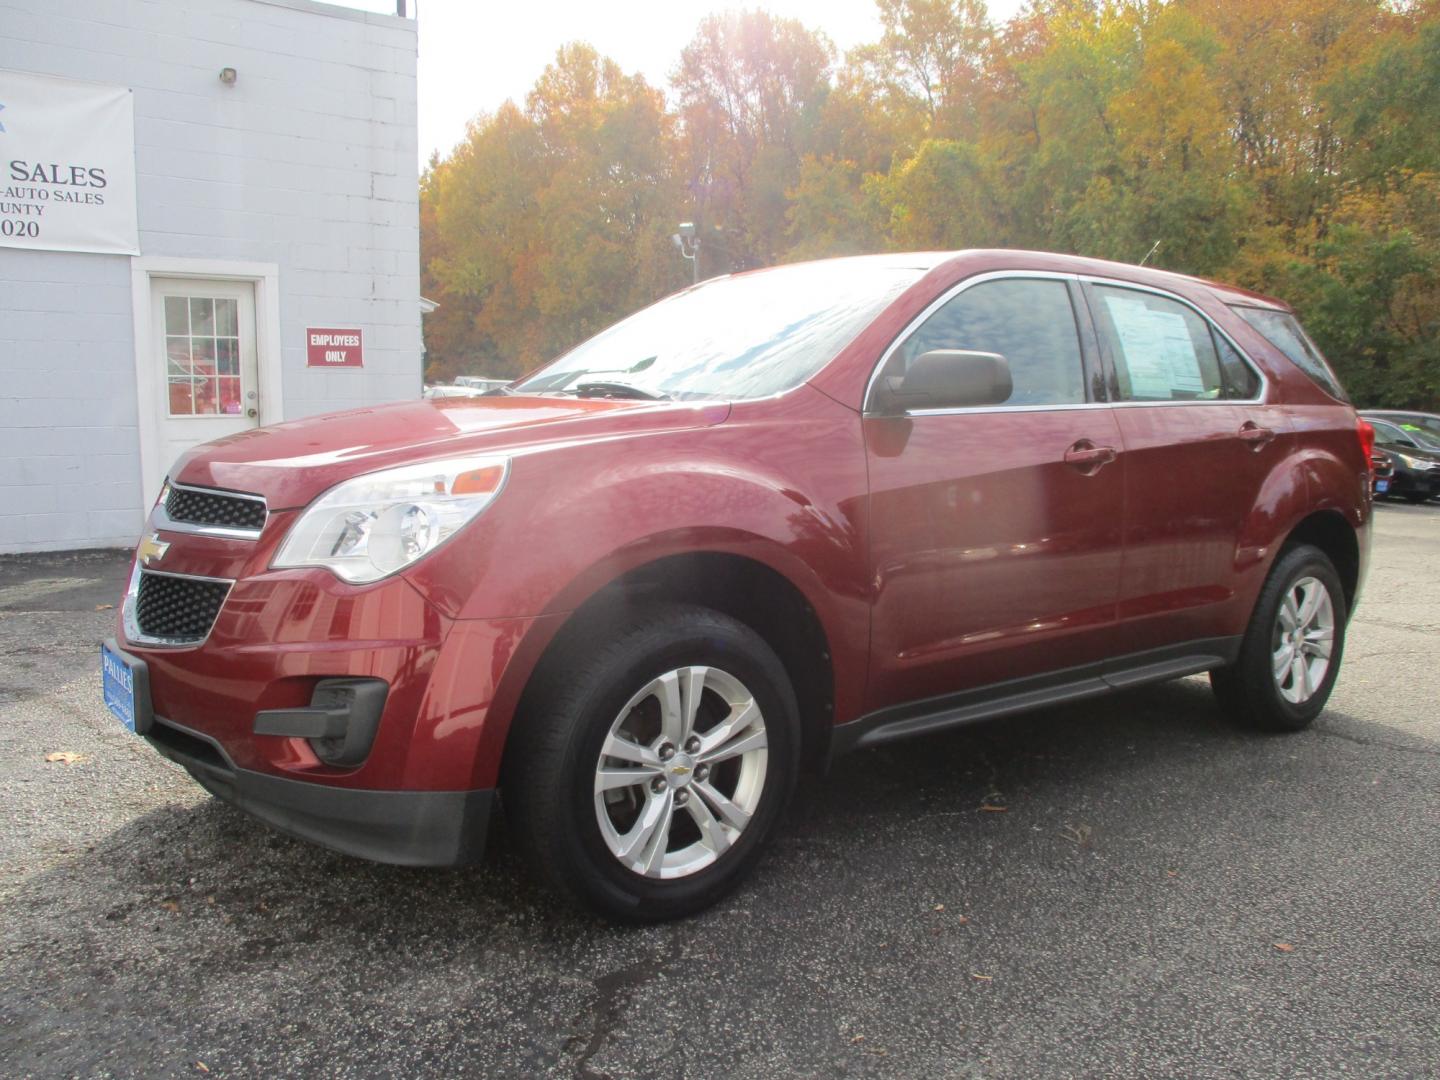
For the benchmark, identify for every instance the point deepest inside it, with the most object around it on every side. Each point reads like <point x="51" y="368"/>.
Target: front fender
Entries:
<point x="782" y="482"/>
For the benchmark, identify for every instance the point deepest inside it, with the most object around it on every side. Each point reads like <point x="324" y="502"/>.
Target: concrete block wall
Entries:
<point x="309" y="161"/>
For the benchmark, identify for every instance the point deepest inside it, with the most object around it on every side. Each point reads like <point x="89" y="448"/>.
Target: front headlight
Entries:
<point x="1413" y="463"/>
<point x="370" y="527"/>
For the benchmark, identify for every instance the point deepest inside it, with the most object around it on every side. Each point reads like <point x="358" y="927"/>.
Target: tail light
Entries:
<point x="1367" y="444"/>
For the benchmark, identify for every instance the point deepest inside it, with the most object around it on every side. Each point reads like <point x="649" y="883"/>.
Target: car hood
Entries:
<point x="291" y="463"/>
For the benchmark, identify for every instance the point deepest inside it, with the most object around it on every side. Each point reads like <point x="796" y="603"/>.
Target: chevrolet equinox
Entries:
<point x="770" y="519"/>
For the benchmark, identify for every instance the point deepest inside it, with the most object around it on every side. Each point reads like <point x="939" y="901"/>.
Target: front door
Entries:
<point x="208" y="377"/>
<point x="995" y="532"/>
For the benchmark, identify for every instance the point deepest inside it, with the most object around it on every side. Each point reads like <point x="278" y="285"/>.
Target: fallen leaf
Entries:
<point x="989" y="808"/>
<point x="65" y="757"/>
<point x="982" y="978"/>
<point x="107" y="607"/>
<point x="202" y="1067"/>
<point x="170" y="906"/>
<point x="938" y="907"/>
<point x="962" y="919"/>
<point x="1284" y="946"/>
<point x="857" y="1039"/>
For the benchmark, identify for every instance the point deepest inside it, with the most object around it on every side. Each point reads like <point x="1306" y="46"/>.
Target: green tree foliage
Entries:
<point x="1291" y="146"/>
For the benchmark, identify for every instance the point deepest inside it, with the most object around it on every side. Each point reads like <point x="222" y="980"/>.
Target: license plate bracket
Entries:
<point x="125" y="685"/>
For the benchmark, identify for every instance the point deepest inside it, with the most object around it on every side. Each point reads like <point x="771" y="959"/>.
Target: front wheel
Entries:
<point x="1291" y="653"/>
<point x="647" y="772"/>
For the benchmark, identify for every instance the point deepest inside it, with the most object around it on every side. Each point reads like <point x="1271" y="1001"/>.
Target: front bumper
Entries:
<point x="1415" y="482"/>
<point x="407" y="828"/>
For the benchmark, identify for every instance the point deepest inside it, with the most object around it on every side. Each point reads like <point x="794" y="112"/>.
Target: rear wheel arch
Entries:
<point x="1332" y="533"/>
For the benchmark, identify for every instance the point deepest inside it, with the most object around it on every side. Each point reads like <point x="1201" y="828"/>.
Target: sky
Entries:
<point x="474" y="55"/>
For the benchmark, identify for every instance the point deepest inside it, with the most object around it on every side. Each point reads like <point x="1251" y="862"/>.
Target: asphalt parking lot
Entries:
<point x="1123" y="888"/>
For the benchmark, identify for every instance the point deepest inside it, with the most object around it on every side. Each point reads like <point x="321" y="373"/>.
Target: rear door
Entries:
<point x="1199" y="441"/>
<point x="995" y="531"/>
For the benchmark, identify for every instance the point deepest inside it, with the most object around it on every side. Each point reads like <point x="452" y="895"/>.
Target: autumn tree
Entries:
<point x="750" y="88"/>
<point x="547" y="224"/>
<point x="1290" y="146"/>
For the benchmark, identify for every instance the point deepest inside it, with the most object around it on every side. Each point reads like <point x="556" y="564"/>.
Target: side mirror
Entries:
<point x="946" y="379"/>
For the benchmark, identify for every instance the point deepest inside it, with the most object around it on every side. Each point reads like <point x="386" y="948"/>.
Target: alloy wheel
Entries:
<point x="681" y="772"/>
<point x="1302" y="641"/>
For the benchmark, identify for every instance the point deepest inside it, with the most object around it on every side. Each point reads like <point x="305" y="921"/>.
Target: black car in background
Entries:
<point x="1414" y="458"/>
<point x="1424" y="424"/>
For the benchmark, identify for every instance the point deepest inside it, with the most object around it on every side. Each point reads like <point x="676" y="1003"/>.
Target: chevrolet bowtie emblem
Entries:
<point x="152" y="547"/>
<point x="680" y="770"/>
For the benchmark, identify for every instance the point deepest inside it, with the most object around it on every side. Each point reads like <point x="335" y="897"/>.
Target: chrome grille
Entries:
<point x="176" y="610"/>
<point x="207" y="508"/>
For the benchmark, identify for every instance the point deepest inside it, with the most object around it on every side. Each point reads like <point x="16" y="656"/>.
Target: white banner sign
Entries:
<point x="67" y="165"/>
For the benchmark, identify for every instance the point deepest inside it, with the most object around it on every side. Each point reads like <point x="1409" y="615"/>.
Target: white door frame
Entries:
<point x="266" y="279"/>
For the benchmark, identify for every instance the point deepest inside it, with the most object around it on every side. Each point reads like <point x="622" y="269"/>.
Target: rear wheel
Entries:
<point x="1291" y="653"/>
<point x="1415" y="496"/>
<point x="648" y="772"/>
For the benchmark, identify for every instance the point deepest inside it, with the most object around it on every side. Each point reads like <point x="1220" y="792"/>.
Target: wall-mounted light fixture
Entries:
<point x="228" y="76"/>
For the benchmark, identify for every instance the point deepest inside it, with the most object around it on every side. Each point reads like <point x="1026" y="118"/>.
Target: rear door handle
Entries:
<point x="1255" y="435"/>
<point x="1089" y="458"/>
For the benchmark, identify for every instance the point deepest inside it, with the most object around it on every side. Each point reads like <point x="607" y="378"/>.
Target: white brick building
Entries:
<point x="269" y="203"/>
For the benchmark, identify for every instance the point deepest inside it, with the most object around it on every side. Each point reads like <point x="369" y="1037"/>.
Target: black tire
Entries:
<point x="1247" y="689"/>
<point x="548" y="786"/>
<point x="1413" y="497"/>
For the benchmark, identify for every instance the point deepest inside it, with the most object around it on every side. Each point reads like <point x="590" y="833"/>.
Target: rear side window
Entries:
<point x="1284" y="331"/>
<point x="1163" y="350"/>
<point x="1028" y="321"/>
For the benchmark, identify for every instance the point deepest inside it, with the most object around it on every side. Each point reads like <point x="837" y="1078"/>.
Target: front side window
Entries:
<point x="1028" y="321"/>
<point x="1162" y="350"/>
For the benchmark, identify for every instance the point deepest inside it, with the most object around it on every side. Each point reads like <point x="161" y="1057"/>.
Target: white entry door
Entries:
<point x="204" y="345"/>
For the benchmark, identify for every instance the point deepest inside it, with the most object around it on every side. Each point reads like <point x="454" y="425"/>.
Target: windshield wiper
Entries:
<point x="618" y="390"/>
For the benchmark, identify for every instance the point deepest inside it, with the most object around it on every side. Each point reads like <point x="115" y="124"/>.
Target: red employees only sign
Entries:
<point x="328" y="347"/>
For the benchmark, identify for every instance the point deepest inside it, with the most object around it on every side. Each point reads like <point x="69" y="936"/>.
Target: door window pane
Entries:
<point x="182" y="397"/>
<point x="202" y="315"/>
<point x="177" y="315"/>
<point x="1161" y="349"/>
<point x="177" y="355"/>
<point x="202" y="355"/>
<point x="1028" y="321"/>
<point x="229" y="390"/>
<point x="227" y="319"/>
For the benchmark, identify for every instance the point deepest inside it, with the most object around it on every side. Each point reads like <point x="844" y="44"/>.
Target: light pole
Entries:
<point x="689" y="244"/>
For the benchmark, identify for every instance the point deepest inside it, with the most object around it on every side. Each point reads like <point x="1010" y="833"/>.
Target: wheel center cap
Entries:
<point x="679" y="771"/>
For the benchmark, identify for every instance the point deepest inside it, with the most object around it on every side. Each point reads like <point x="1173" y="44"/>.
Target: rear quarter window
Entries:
<point x="1284" y="331"/>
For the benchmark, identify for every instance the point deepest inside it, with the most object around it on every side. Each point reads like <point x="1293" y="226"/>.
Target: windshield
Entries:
<point x="741" y="337"/>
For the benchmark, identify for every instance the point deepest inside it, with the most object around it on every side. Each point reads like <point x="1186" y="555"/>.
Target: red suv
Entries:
<point x="772" y="518"/>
